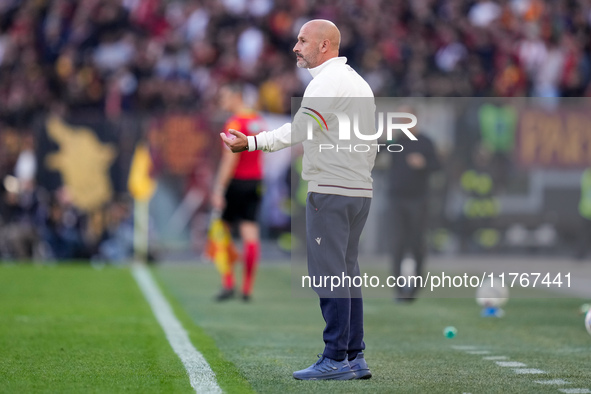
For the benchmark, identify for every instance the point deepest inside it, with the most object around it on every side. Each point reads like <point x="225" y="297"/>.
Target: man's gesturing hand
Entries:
<point x="237" y="144"/>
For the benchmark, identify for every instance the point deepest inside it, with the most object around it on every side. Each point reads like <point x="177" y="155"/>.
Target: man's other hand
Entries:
<point x="238" y="143"/>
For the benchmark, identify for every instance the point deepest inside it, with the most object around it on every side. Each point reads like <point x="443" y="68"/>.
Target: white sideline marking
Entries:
<point x="465" y="347"/>
<point x="200" y="374"/>
<point x="510" y="364"/>
<point x="521" y="371"/>
<point x="553" y="381"/>
<point x="492" y="358"/>
<point x="575" y="391"/>
<point x="478" y="352"/>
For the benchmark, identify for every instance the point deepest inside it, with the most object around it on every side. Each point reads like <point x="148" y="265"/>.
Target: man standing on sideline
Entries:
<point x="339" y="190"/>
<point x="237" y="189"/>
<point x="409" y="188"/>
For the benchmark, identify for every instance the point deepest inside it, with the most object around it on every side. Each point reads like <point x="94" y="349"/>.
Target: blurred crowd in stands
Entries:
<point x="123" y="55"/>
<point x="135" y="56"/>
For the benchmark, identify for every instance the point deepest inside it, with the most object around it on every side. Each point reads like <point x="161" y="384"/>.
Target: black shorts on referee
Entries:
<point x="243" y="198"/>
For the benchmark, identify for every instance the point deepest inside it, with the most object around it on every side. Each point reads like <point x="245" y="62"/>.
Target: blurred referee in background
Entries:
<point x="238" y="189"/>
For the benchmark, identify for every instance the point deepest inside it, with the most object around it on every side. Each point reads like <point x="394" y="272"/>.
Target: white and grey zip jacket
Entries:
<point x="331" y="164"/>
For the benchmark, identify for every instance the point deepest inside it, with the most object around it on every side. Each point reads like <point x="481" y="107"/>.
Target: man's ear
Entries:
<point x="324" y="46"/>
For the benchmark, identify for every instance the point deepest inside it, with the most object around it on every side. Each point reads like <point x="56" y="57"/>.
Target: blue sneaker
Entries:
<point x="326" y="369"/>
<point x="359" y="366"/>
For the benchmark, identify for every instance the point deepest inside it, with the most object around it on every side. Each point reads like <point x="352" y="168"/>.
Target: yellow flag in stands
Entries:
<point x="140" y="183"/>
<point x="220" y="249"/>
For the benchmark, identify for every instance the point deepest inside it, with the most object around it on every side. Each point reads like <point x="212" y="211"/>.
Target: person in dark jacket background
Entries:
<point x="409" y="176"/>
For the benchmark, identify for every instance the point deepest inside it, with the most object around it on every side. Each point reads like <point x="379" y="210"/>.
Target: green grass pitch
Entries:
<point x="77" y="329"/>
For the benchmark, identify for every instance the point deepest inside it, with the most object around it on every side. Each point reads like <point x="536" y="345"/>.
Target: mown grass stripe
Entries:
<point x="69" y="328"/>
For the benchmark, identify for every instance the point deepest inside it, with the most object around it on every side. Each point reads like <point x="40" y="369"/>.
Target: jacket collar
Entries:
<point x="335" y="60"/>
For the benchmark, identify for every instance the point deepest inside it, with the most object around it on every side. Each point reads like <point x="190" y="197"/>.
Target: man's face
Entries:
<point x="306" y="49"/>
